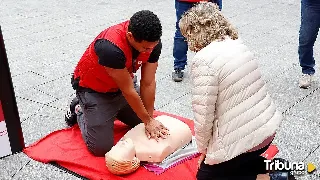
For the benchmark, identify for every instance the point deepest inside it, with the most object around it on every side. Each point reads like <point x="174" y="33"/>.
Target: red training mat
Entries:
<point x="66" y="148"/>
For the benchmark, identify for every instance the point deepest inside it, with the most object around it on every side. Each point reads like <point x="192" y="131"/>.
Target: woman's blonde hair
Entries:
<point x="203" y="24"/>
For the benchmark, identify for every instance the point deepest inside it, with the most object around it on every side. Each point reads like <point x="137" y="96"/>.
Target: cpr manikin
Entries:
<point x="135" y="145"/>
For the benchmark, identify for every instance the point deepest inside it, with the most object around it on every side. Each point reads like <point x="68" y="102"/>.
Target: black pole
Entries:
<point x="8" y="101"/>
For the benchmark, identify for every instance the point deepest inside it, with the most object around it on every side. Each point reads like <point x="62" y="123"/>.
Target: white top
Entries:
<point x="233" y="111"/>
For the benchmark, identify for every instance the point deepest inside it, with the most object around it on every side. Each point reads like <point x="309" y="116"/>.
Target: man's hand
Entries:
<point x="201" y="159"/>
<point x="155" y="129"/>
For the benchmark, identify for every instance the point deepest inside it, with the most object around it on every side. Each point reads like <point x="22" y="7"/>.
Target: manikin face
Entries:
<point x="143" y="46"/>
<point x="123" y="151"/>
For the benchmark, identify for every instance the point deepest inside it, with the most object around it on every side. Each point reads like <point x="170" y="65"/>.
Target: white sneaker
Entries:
<point x="305" y="81"/>
<point x="77" y="109"/>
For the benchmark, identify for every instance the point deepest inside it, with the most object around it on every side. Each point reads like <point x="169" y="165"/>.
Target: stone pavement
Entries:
<point x="45" y="39"/>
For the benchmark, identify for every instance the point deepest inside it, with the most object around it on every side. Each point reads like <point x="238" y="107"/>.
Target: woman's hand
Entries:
<point x="201" y="159"/>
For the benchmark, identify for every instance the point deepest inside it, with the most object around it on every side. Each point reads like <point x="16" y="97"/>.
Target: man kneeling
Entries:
<point x="103" y="80"/>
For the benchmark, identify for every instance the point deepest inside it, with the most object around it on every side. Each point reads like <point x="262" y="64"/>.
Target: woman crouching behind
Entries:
<point x="235" y="118"/>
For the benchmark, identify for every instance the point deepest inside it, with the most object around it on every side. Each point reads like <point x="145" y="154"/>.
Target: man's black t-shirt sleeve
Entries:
<point x="155" y="54"/>
<point x="109" y="54"/>
<point x="113" y="57"/>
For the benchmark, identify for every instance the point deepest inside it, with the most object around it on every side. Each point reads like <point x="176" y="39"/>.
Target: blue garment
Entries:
<point x="180" y="46"/>
<point x="309" y="28"/>
<point x="279" y="175"/>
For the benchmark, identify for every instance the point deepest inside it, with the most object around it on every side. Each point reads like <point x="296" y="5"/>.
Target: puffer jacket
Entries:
<point x="232" y="109"/>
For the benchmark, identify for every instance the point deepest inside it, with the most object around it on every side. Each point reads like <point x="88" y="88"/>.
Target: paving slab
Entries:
<point x="27" y="65"/>
<point x="179" y="109"/>
<point x="60" y="68"/>
<point x="27" y="80"/>
<point x="12" y="164"/>
<point x="27" y="107"/>
<point x="185" y="100"/>
<point x="45" y="121"/>
<point x="58" y="88"/>
<point x="168" y="90"/>
<point x="37" y="170"/>
<point x="297" y="137"/>
<point x="35" y="95"/>
<point x="308" y="108"/>
<point x="315" y="160"/>
<point x="285" y="91"/>
<point x="283" y="54"/>
<point x="40" y="53"/>
<point x="165" y="64"/>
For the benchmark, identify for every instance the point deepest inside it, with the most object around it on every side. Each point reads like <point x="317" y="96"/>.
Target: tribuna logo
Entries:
<point x="277" y="165"/>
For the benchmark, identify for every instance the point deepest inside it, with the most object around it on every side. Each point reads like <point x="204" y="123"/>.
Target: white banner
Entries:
<point x="5" y="148"/>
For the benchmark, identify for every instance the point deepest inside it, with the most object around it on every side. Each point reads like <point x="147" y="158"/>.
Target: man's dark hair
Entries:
<point x="145" y="25"/>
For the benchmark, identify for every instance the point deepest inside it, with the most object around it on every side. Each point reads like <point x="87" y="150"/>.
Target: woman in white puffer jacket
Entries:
<point x="235" y="118"/>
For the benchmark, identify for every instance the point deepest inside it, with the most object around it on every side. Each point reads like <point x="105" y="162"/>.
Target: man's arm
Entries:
<point x="148" y="79"/>
<point x="148" y="85"/>
<point x="124" y="81"/>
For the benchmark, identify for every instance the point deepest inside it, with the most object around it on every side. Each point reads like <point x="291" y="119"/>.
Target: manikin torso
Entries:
<point x="152" y="151"/>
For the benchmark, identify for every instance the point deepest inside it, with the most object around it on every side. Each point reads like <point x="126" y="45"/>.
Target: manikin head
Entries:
<point x="203" y="24"/>
<point x="121" y="158"/>
<point x="144" y="31"/>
